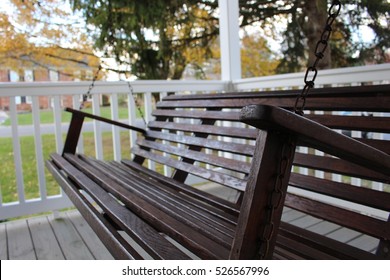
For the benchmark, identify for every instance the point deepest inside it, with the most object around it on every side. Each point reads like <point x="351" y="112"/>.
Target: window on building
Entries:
<point x="14" y="77"/>
<point x="54" y="76"/>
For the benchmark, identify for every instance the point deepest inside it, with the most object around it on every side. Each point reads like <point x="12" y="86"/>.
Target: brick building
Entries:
<point x="34" y="75"/>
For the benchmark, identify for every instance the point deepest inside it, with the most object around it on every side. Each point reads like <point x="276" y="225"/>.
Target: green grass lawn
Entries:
<point x="8" y="189"/>
<point x="46" y="116"/>
<point x="7" y="167"/>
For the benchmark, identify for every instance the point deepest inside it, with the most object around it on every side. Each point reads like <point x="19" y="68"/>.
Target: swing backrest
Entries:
<point x="200" y="138"/>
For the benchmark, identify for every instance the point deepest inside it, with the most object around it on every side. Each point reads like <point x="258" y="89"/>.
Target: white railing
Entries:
<point x="21" y="205"/>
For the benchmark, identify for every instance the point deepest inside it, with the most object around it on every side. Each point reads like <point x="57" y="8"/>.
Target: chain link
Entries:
<point x="137" y="105"/>
<point x="88" y="94"/>
<point x="276" y="198"/>
<point x="319" y="52"/>
<point x="91" y="86"/>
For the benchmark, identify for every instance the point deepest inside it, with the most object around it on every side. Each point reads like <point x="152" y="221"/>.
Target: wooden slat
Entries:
<point x="237" y="148"/>
<point x="365" y="224"/>
<point x="329" y="246"/>
<point x="363" y="196"/>
<point x="382" y="145"/>
<point x="358" y="98"/>
<point x="189" y="202"/>
<point x="188" y="190"/>
<point x="201" y="244"/>
<point x="350" y="91"/>
<point x="226" y="163"/>
<point x="153" y="242"/>
<point x="198" y="114"/>
<point x="180" y="175"/>
<point x="302" y="249"/>
<point x="356" y="103"/>
<point x="45" y="242"/>
<point x="118" y="247"/>
<point x="334" y="165"/>
<point x="317" y="136"/>
<point x="175" y="204"/>
<point x="82" y="114"/>
<point x="237" y="132"/>
<point x="360" y="123"/>
<point x="224" y="179"/>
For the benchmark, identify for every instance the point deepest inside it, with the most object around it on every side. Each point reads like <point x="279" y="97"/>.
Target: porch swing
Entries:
<point x="260" y="149"/>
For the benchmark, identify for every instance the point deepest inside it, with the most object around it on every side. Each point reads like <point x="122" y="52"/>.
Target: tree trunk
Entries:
<point x="316" y="12"/>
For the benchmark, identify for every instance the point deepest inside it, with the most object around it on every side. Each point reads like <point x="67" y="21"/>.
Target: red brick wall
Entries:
<point x="4" y="101"/>
<point x="40" y="75"/>
<point x="4" y="76"/>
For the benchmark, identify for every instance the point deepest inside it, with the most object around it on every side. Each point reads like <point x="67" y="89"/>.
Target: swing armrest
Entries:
<point x="316" y="135"/>
<point x="76" y="125"/>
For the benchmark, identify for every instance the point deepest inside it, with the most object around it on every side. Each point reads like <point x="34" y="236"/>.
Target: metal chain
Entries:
<point x="131" y="93"/>
<point x="322" y="44"/>
<point x="276" y="197"/>
<point x="91" y="86"/>
<point x="137" y="105"/>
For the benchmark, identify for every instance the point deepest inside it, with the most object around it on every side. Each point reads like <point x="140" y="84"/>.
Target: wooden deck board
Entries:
<point x="70" y="237"/>
<point x="292" y="215"/>
<point x="306" y="221"/>
<point x="45" y="242"/>
<point x="3" y="243"/>
<point x="96" y="247"/>
<point x="344" y="235"/>
<point x="324" y="227"/>
<point x="365" y="242"/>
<point x="20" y="245"/>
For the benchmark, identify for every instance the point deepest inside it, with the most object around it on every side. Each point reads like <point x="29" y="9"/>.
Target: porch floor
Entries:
<point x="70" y="237"/>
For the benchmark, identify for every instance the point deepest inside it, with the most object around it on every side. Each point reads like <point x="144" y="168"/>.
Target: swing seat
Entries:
<point x="239" y="176"/>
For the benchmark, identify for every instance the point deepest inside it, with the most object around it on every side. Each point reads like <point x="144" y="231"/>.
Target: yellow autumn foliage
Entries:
<point x="40" y="34"/>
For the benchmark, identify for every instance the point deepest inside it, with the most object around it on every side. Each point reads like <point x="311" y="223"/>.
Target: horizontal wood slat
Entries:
<point x="159" y="220"/>
<point x="237" y="132"/>
<point x="213" y="176"/>
<point x="198" y="114"/>
<point x="188" y="190"/>
<point x="356" y="221"/>
<point x="151" y="239"/>
<point x="360" y="123"/>
<point x="338" y="166"/>
<point x="226" y="163"/>
<point x="363" y="196"/>
<point x="323" y="244"/>
<point x="237" y="148"/>
<point x="175" y="205"/>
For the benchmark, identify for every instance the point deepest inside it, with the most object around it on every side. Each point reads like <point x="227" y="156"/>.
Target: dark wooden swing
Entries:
<point x="140" y="213"/>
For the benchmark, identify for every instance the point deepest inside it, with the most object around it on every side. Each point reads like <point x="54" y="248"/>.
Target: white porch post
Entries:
<point x="229" y="40"/>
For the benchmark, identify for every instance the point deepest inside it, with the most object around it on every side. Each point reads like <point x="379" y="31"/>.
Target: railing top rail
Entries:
<point x="72" y="88"/>
<point x="348" y="75"/>
<point x="351" y="75"/>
